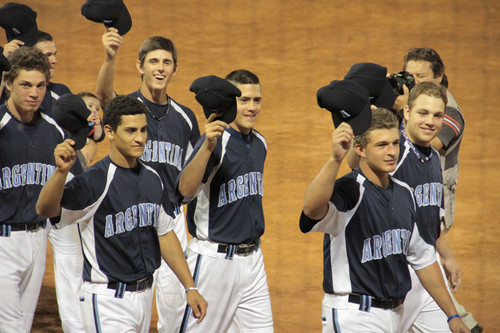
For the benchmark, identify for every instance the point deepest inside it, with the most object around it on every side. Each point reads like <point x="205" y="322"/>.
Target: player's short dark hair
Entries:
<point x="429" y="89"/>
<point x="43" y="36"/>
<point x="157" y="43"/>
<point x="242" y="76"/>
<point x="87" y="94"/>
<point x="430" y="55"/>
<point x="381" y="119"/>
<point x="27" y="58"/>
<point x="121" y="106"/>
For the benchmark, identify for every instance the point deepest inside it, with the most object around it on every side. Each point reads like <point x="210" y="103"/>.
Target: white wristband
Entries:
<point x="191" y="288"/>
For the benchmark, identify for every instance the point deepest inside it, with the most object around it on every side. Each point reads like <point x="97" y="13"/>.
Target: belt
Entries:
<point x="378" y="303"/>
<point x="6" y="228"/>
<point x="243" y="249"/>
<point x="138" y="285"/>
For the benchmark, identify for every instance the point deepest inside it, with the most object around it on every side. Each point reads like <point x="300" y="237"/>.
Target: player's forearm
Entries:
<point x="49" y="201"/>
<point x="444" y="248"/>
<point x="104" y="88"/>
<point x="171" y="251"/>
<point x="193" y="172"/>
<point x="320" y="191"/>
<point x="432" y="280"/>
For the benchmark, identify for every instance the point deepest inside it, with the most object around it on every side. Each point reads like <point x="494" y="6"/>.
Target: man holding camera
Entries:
<point x="426" y="65"/>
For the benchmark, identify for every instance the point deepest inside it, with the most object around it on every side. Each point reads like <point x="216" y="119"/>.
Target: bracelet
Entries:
<point x="456" y="315"/>
<point x="191" y="288"/>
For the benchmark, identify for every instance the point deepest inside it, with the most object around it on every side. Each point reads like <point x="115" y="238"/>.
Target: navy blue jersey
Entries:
<point x="54" y="91"/>
<point x="370" y="237"/>
<point x="228" y="207"/>
<point x="172" y="134"/>
<point x="26" y="163"/>
<point x="423" y="174"/>
<point x="121" y="213"/>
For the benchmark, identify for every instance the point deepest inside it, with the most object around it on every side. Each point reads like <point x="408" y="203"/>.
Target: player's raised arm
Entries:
<point x="111" y="40"/>
<point x="49" y="201"/>
<point x="319" y="192"/>
<point x="171" y="251"/>
<point x="193" y="172"/>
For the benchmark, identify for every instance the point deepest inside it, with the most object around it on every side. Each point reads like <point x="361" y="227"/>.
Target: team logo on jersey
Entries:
<point x="241" y="187"/>
<point x="142" y="215"/>
<point x="163" y="152"/>
<point x="429" y="194"/>
<point x="26" y="174"/>
<point x="391" y="242"/>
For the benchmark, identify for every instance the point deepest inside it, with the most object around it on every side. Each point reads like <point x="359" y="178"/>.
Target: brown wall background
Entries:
<point x="296" y="47"/>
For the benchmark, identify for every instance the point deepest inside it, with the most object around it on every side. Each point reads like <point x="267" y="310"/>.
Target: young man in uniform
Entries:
<point x="223" y="178"/>
<point x="172" y="133"/>
<point x="368" y="219"/>
<point x="23" y="237"/>
<point x="426" y="66"/>
<point x="125" y="227"/>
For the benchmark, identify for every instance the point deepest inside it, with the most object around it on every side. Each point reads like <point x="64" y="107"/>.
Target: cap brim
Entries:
<point x="80" y="138"/>
<point x="360" y="124"/>
<point x="124" y="22"/>
<point x="228" y="116"/>
<point x="387" y="98"/>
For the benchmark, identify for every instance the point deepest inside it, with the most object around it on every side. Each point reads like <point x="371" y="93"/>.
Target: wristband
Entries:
<point x="456" y="315"/>
<point x="191" y="288"/>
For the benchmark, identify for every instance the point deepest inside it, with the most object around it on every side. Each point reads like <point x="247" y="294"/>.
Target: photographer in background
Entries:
<point x="426" y="65"/>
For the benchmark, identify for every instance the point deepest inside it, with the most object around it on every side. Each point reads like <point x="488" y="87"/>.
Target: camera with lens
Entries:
<point x="397" y="81"/>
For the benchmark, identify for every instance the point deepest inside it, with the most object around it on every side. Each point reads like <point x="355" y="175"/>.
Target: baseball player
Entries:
<point x="223" y="177"/>
<point x="420" y="168"/>
<point x="125" y="229"/>
<point x="172" y="133"/>
<point x="426" y="66"/>
<point x="368" y="219"/>
<point x="27" y="141"/>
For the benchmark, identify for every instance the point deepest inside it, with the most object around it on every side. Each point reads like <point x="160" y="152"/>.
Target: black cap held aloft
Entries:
<point x="113" y="13"/>
<point x="348" y="102"/>
<point x="216" y="95"/>
<point x="71" y="113"/>
<point x="19" y="22"/>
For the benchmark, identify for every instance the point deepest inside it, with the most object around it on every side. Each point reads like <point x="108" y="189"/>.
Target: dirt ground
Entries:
<point x="296" y="47"/>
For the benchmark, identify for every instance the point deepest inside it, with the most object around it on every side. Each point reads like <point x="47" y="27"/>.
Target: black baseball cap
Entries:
<point x="19" y="22"/>
<point x="348" y="102"/>
<point x="216" y="95"/>
<point x="71" y="113"/>
<point x="113" y="13"/>
<point x="374" y="78"/>
<point x="4" y="62"/>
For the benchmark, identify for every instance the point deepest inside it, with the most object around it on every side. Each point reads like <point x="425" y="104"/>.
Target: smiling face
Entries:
<point x="157" y="70"/>
<point x="381" y="152"/>
<point x="424" y="120"/>
<point x="248" y="107"/>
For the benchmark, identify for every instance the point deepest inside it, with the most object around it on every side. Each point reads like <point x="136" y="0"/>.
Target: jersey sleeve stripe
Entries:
<point x="452" y="124"/>
<point x="5" y="119"/>
<point x="182" y="113"/>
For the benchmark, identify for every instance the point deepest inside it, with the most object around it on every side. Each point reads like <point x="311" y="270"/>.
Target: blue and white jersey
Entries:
<point x="121" y="212"/>
<point x="370" y="237"/>
<point x="420" y="168"/>
<point x="172" y="134"/>
<point x="54" y="91"/>
<point x="26" y="163"/>
<point x="228" y="207"/>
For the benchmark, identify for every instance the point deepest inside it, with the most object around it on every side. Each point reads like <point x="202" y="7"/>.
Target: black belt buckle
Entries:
<point x="245" y="249"/>
<point x="142" y="284"/>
